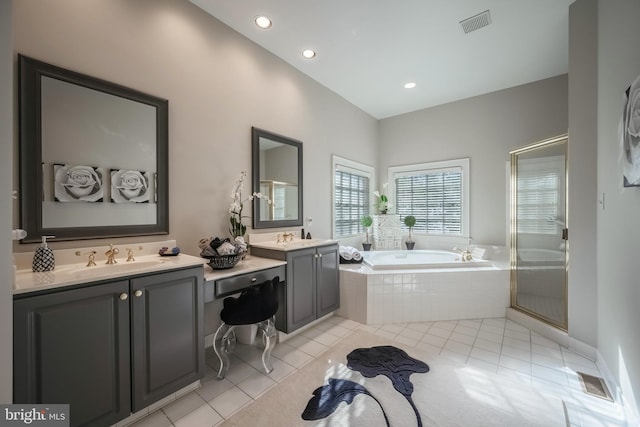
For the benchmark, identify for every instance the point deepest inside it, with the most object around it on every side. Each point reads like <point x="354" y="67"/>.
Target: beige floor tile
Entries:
<point x="183" y="406"/>
<point x="204" y="416"/>
<point x="229" y="402"/>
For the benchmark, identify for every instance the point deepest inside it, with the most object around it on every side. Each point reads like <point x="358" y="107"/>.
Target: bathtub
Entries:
<point x="420" y="259"/>
<point x="423" y="285"/>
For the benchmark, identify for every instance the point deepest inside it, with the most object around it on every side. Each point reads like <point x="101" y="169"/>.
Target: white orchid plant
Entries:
<point x="238" y="229"/>
<point x="382" y="201"/>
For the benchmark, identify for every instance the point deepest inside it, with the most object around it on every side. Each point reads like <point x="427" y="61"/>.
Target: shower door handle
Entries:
<point x="565" y="234"/>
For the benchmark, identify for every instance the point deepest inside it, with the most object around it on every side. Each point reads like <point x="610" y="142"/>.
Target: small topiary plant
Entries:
<point x="410" y="221"/>
<point x="366" y="222"/>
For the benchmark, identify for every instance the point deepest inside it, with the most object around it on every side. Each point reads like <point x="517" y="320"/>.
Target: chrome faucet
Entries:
<point x="111" y="254"/>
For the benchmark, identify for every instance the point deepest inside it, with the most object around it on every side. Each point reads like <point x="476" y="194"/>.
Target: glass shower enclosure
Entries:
<point x="539" y="233"/>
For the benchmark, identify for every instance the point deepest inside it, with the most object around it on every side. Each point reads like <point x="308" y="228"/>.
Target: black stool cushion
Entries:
<point x="255" y="304"/>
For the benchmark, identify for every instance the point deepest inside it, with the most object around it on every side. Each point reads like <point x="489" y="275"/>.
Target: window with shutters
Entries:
<point x="351" y="196"/>
<point x="539" y="192"/>
<point x="435" y="194"/>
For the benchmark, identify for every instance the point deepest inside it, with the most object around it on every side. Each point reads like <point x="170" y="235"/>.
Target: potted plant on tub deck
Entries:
<point x="410" y="221"/>
<point x="366" y="222"/>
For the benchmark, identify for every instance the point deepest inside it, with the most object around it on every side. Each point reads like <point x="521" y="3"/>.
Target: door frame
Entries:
<point x="561" y="139"/>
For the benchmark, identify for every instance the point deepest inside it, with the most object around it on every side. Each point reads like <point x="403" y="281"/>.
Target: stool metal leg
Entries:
<point x="269" y="337"/>
<point x="224" y="342"/>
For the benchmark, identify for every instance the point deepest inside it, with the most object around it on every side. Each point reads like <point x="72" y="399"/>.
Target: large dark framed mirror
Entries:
<point x="277" y="174"/>
<point x="93" y="156"/>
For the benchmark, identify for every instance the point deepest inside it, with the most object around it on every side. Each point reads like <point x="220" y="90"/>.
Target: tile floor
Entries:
<point x="496" y="345"/>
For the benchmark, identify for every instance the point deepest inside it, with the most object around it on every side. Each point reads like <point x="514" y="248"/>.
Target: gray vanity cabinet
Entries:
<point x="110" y="348"/>
<point x="300" y="285"/>
<point x="73" y="347"/>
<point x="167" y="313"/>
<point x="312" y="288"/>
<point x="328" y="280"/>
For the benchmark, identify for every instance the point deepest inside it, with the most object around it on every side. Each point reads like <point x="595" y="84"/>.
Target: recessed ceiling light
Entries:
<point x="409" y="85"/>
<point x="308" y="53"/>
<point x="263" y="22"/>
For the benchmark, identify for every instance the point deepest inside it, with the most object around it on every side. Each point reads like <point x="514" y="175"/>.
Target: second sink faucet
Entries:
<point x="287" y="235"/>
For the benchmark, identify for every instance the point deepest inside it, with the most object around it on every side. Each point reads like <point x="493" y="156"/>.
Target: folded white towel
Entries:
<point x="226" y="249"/>
<point x="355" y="254"/>
<point x="345" y="253"/>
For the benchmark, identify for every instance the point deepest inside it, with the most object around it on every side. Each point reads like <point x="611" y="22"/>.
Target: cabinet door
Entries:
<point x="73" y="347"/>
<point x="301" y="297"/>
<point x="168" y="333"/>
<point x="327" y="280"/>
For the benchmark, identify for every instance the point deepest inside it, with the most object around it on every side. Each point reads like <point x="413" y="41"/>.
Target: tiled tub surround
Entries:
<point x="412" y="295"/>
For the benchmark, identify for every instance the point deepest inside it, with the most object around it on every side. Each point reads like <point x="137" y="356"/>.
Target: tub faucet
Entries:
<point x="465" y="255"/>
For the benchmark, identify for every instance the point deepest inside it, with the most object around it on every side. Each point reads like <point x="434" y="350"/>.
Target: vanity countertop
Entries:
<point x="74" y="274"/>
<point x="293" y="245"/>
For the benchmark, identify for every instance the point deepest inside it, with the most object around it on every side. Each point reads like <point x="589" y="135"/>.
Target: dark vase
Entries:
<point x="366" y="246"/>
<point x="410" y="245"/>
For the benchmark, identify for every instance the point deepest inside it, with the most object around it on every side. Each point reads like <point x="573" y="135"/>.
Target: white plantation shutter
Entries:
<point x="351" y="202"/>
<point x="434" y="197"/>
<point x="537" y="203"/>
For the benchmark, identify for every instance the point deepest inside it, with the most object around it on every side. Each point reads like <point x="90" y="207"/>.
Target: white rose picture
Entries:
<point x="129" y="186"/>
<point x="77" y="183"/>
<point x="630" y="135"/>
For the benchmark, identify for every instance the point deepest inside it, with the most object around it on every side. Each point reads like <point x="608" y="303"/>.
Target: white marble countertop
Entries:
<point x="78" y="273"/>
<point x="276" y="242"/>
<point x="72" y="269"/>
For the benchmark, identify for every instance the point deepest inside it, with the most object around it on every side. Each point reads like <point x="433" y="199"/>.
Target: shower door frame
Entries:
<point x="514" y="235"/>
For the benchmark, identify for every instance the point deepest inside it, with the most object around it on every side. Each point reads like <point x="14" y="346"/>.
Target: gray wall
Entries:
<point x="6" y="137"/>
<point x="618" y="230"/>
<point x="219" y="85"/>
<point x="582" y="161"/>
<point x="484" y="128"/>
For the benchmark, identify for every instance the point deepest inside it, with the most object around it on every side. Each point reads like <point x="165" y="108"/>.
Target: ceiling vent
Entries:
<point x="476" y="22"/>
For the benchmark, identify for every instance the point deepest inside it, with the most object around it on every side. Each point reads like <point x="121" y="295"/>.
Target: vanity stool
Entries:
<point x="255" y="305"/>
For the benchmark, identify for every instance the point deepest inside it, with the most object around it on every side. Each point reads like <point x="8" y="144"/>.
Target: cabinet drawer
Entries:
<point x="232" y="285"/>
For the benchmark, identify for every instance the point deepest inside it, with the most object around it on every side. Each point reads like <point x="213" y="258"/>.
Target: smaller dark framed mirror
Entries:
<point x="277" y="174"/>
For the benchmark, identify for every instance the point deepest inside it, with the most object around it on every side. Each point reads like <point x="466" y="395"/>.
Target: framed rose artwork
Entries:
<point x="630" y="135"/>
<point x="78" y="183"/>
<point x="130" y="186"/>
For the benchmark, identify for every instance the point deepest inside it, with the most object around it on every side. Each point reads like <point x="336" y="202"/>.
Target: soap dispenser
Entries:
<point x="43" y="259"/>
